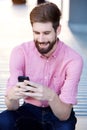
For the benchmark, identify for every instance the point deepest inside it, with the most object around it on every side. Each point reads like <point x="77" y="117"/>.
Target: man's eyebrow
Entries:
<point x="43" y="31"/>
<point x="35" y="31"/>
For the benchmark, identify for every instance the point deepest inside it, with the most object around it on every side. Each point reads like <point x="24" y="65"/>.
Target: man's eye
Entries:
<point x="36" y="32"/>
<point x="46" y="33"/>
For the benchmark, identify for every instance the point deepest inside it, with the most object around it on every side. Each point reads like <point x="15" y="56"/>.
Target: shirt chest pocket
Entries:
<point x="57" y="82"/>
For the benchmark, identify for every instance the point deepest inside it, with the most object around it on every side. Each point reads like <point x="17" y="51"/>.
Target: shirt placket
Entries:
<point x="46" y="79"/>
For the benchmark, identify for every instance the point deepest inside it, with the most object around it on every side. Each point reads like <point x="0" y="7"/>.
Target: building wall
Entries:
<point x="78" y="11"/>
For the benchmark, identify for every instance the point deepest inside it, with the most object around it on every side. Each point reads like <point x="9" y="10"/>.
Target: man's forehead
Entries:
<point x="42" y="26"/>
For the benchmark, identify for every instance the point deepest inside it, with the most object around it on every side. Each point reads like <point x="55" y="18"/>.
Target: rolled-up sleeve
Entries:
<point x="16" y="66"/>
<point x="72" y="77"/>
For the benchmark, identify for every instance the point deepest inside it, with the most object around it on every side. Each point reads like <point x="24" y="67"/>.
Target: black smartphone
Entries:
<point x="22" y="78"/>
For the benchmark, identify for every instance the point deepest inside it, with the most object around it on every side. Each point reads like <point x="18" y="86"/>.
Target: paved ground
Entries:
<point x="15" y="28"/>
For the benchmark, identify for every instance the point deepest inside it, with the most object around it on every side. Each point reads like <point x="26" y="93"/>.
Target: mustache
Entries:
<point x="37" y="42"/>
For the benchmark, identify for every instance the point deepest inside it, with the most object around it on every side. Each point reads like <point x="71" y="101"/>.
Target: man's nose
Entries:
<point x="41" y="38"/>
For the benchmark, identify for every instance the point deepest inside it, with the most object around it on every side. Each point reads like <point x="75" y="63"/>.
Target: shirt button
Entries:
<point x="45" y="77"/>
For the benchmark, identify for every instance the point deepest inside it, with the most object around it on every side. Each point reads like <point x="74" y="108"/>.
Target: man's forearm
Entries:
<point x="60" y="109"/>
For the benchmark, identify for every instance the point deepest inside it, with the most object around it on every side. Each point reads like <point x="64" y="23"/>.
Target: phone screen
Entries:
<point x="22" y="78"/>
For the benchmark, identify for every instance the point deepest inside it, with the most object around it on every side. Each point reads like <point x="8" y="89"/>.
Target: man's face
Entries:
<point x="44" y="36"/>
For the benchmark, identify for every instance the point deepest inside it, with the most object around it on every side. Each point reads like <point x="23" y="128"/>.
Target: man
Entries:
<point x="54" y="70"/>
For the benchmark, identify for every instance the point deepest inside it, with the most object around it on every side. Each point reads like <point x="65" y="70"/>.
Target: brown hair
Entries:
<point x="46" y="12"/>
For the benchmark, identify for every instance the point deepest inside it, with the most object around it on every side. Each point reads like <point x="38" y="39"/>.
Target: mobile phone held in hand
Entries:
<point x="22" y="78"/>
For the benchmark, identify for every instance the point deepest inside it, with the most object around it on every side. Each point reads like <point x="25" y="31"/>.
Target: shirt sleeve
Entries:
<point x="16" y="66"/>
<point x="72" y="77"/>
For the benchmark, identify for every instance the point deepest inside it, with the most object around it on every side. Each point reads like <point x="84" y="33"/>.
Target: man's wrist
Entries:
<point x="9" y="98"/>
<point x="52" y="98"/>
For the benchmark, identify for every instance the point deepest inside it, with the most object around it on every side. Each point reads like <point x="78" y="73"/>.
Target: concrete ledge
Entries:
<point x="81" y="123"/>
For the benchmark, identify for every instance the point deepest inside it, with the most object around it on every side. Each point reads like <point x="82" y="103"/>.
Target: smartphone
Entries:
<point x="22" y="78"/>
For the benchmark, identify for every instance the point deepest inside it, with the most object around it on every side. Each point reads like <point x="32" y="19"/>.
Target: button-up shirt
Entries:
<point x="60" y="72"/>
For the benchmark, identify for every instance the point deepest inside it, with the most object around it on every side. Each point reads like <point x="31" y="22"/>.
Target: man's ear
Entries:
<point x="58" y="29"/>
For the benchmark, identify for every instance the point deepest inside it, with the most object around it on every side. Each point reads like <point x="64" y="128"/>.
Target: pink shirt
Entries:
<point x="60" y="72"/>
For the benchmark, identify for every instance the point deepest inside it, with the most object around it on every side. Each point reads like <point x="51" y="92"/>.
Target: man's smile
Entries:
<point x="44" y="45"/>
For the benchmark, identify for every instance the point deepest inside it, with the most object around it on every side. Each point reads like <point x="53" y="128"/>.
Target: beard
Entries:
<point x="44" y="47"/>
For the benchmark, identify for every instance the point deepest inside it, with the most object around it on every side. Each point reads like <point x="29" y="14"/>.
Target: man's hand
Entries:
<point x="38" y="91"/>
<point x="17" y="92"/>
